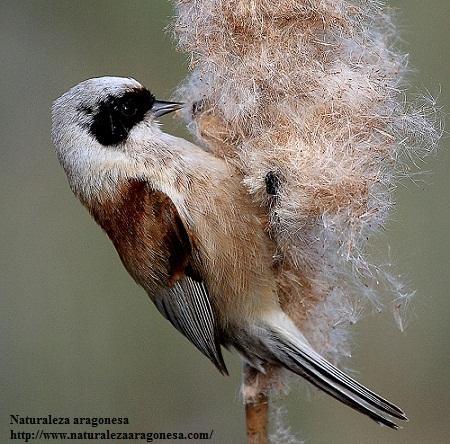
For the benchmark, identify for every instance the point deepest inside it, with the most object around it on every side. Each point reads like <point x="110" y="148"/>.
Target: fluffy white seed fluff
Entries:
<point x="313" y="92"/>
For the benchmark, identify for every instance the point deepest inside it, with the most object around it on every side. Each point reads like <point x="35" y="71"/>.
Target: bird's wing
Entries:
<point x="186" y="305"/>
<point x="185" y="302"/>
<point x="160" y="254"/>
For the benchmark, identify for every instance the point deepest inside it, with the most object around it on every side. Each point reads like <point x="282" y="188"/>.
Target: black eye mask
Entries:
<point x="116" y="116"/>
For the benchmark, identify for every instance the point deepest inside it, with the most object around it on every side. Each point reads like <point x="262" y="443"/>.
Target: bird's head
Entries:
<point x="103" y="120"/>
<point x="107" y="111"/>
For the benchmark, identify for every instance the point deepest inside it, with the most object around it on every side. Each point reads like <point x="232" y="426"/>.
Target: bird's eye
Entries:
<point x="128" y="109"/>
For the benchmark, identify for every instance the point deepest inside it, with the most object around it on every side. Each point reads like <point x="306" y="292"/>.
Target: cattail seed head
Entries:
<point x="307" y="99"/>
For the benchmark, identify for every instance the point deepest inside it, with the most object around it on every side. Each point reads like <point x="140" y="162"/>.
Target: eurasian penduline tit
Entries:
<point x="188" y="232"/>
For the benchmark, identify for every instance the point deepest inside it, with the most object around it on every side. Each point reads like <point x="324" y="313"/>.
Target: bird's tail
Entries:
<point x="281" y="342"/>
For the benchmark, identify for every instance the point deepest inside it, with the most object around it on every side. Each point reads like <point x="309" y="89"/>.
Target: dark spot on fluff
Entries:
<point x="272" y="183"/>
<point x="197" y="107"/>
<point x="116" y="116"/>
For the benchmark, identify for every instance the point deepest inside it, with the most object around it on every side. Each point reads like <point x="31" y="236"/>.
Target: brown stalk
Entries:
<point x="256" y="401"/>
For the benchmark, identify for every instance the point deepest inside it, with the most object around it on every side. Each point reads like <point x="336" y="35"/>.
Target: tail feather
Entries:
<point x="328" y="370"/>
<point x="347" y="399"/>
<point x="293" y="352"/>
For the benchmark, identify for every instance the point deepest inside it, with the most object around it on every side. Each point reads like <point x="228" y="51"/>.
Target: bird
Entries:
<point x="188" y="232"/>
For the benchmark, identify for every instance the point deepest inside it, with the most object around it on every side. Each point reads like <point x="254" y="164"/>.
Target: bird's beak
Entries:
<point x="160" y="108"/>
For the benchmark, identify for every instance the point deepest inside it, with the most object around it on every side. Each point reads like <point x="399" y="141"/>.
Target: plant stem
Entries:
<point x="256" y="402"/>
